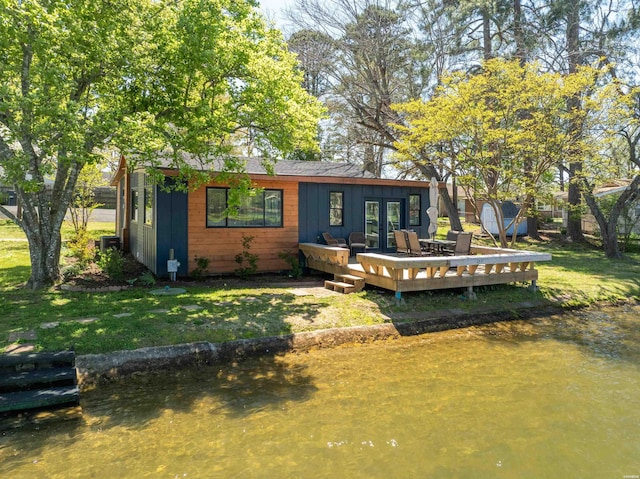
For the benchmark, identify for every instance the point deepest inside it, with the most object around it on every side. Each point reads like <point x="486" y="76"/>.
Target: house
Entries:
<point x="303" y="200"/>
<point x="627" y="223"/>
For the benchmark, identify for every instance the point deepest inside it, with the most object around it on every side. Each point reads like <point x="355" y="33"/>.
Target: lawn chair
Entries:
<point x="463" y="244"/>
<point x="401" y="242"/>
<point x="415" y="249"/>
<point x="331" y="241"/>
<point x="357" y="242"/>
<point x="452" y="235"/>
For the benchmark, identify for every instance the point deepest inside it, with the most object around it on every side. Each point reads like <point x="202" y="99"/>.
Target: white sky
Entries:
<point x="273" y="9"/>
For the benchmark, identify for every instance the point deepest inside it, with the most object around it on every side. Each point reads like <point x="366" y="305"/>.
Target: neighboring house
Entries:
<point x="589" y="223"/>
<point x="303" y="200"/>
<point x="464" y="204"/>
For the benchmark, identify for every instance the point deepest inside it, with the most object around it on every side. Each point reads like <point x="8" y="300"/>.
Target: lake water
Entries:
<point x="552" y="398"/>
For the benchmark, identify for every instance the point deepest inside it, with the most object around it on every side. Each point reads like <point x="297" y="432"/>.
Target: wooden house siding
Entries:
<point x="221" y="245"/>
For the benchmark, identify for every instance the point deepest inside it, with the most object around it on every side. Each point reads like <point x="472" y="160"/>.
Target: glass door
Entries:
<point x="372" y="223"/>
<point x="393" y="222"/>
<point x="381" y="218"/>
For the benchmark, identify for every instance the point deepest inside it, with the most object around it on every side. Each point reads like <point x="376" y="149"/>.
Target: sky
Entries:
<point x="273" y="9"/>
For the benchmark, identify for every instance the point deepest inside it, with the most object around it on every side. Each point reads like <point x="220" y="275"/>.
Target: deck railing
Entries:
<point x="485" y="265"/>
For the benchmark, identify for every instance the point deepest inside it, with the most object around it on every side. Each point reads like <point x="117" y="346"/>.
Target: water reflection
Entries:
<point x="552" y="397"/>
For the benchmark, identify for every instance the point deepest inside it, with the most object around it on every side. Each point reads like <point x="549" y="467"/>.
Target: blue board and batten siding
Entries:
<point x="313" y="208"/>
<point x="171" y="230"/>
<point x="151" y="243"/>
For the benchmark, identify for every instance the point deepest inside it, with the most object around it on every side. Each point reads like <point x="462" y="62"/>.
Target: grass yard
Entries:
<point x="223" y="310"/>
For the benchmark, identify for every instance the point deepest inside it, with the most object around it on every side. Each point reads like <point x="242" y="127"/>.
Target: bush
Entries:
<point x="202" y="267"/>
<point x="82" y="247"/>
<point x="293" y="261"/>
<point x="111" y="263"/>
<point x="147" y="279"/>
<point x="248" y="261"/>
<point x="72" y="270"/>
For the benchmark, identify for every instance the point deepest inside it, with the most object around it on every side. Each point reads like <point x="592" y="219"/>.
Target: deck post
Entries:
<point x="470" y="294"/>
<point x="399" y="299"/>
<point x="534" y="286"/>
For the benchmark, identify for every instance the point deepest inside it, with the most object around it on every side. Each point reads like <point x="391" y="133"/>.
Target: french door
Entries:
<point x="381" y="218"/>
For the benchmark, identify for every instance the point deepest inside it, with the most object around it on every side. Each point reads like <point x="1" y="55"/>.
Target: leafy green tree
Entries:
<point x="84" y="196"/>
<point x="141" y="76"/>
<point x="475" y="124"/>
<point x="614" y="153"/>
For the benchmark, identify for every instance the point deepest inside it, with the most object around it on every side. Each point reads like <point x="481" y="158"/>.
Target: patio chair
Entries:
<point x="452" y="235"/>
<point x="331" y="241"/>
<point x="463" y="244"/>
<point x="357" y="242"/>
<point x="415" y="248"/>
<point x="401" y="242"/>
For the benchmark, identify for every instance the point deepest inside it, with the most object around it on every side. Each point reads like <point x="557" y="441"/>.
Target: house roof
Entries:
<point x="254" y="166"/>
<point x="317" y="170"/>
<point x="609" y="188"/>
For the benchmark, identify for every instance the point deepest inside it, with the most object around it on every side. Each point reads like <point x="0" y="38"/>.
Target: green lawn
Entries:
<point x="230" y="309"/>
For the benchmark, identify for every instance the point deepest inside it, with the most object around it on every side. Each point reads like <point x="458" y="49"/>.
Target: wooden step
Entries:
<point x="357" y="281"/>
<point x="28" y="379"/>
<point x="37" y="381"/>
<point x="40" y="398"/>
<point x="339" y="286"/>
<point x="37" y="360"/>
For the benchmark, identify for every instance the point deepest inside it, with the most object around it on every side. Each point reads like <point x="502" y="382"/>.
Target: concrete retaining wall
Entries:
<point x="96" y="369"/>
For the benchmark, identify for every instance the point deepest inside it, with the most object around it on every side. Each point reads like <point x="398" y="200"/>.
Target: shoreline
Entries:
<point x="94" y="370"/>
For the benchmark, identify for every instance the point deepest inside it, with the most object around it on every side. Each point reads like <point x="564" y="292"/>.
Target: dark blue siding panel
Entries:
<point x="171" y="230"/>
<point x="314" y="207"/>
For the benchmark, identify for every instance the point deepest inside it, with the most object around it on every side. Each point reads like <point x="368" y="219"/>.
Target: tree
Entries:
<point x="84" y="196"/>
<point x="475" y="124"/>
<point x="615" y="154"/>
<point x="377" y="62"/>
<point x="584" y="32"/>
<point x="143" y="76"/>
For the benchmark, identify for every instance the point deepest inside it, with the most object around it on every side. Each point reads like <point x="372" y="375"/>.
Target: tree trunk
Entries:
<point x="608" y="226"/>
<point x="45" y="260"/>
<point x="574" y="221"/>
<point x="41" y="221"/>
<point x="430" y="171"/>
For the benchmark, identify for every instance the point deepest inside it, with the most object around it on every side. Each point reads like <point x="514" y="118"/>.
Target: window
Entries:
<point x="148" y="205"/>
<point x="336" y="207"/>
<point x="414" y="210"/>
<point x="264" y="209"/>
<point x="134" y="205"/>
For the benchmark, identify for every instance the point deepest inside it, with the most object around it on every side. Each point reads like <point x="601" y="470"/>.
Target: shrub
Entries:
<point x="111" y="263"/>
<point x="294" y="263"/>
<point x="202" y="267"/>
<point x="72" y="270"/>
<point x="248" y="261"/>
<point x="147" y="279"/>
<point x="82" y="247"/>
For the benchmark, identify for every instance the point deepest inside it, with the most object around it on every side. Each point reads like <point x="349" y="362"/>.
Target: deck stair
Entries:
<point x="345" y="283"/>
<point x="37" y="381"/>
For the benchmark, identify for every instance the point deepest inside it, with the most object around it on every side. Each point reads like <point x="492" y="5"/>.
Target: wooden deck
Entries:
<point x="484" y="266"/>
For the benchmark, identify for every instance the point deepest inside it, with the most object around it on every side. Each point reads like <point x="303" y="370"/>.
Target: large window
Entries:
<point x="414" y="210"/>
<point x="336" y="208"/>
<point x="261" y="210"/>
